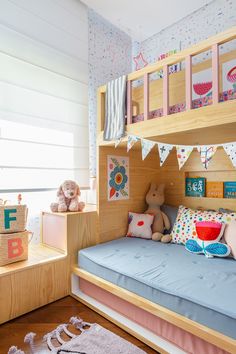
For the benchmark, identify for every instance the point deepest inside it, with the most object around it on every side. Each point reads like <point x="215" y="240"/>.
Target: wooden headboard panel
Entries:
<point x="113" y="215"/>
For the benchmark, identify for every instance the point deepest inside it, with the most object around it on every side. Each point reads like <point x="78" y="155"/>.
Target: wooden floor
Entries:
<point x="47" y="318"/>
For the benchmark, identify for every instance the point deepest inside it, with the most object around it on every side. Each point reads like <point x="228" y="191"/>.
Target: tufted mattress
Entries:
<point x="198" y="288"/>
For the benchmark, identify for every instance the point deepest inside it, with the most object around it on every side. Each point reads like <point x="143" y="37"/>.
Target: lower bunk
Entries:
<point x="184" y="302"/>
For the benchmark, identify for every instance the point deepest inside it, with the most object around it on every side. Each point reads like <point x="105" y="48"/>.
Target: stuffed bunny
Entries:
<point x="68" y="199"/>
<point x="154" y="199"/>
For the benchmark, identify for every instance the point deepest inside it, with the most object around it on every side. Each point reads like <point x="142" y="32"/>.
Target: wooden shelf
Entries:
<point x="38" y="255"/>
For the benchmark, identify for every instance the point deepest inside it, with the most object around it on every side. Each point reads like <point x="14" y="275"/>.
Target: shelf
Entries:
<point x="206" y="203"/>
<point x="38" y="255"/>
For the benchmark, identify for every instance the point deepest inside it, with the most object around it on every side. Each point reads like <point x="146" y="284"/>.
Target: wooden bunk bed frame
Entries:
<point x="215" y="123"/>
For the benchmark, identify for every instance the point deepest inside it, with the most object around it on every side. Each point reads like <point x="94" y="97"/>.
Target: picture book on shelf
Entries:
<point x="195" y="187"/>
<point x="214" y="189"/>
<point x="229" y="189"/>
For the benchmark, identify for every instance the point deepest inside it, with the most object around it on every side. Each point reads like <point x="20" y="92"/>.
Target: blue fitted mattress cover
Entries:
<point x="194" y="286"/>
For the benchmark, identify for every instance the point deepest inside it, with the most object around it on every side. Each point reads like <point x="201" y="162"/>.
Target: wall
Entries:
<point x="213" y="18"/>
<point x="109" y="57"/>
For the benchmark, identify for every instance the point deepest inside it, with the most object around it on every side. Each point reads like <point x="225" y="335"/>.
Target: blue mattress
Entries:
<point x="201" y="289"/>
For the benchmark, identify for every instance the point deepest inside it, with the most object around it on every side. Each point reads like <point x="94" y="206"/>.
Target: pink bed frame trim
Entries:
<point x="182" y="339"/>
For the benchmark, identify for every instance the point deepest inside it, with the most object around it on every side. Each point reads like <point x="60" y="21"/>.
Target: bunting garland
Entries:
<point x="183" y="151"/>
<point x="230" y="150"/>
<point x="164" y="150"/>
<point x="206" y="154"/>
<point x="132" y="139"/>
<point x="117" y="142"/>
<point x="147" y="146"/>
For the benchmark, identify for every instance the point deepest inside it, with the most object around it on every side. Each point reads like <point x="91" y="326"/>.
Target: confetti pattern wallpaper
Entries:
<point x="112" y="52"/>
<point x="209" y="20"/>
<point x="109" y="57"/>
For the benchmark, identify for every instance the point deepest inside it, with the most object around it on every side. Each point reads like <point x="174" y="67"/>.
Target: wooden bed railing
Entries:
<point x="185" y="55"/>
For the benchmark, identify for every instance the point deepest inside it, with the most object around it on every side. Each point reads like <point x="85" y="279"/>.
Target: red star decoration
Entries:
<point x="140" y="62"/>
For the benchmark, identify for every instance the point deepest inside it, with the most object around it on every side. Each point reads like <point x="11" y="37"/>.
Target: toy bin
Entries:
<point x="13" y="247"/>
<point x="13" y="218"/>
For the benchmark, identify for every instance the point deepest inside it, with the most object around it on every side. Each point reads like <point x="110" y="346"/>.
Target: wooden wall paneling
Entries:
<point x="113" y="214"/>
<point x="220" y="169"/>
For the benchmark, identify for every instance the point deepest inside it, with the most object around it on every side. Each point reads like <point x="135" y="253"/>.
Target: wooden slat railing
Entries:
<point x="186" y="55"/>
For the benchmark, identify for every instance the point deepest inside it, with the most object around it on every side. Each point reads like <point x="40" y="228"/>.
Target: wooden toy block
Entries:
<point x="13" y="247"/>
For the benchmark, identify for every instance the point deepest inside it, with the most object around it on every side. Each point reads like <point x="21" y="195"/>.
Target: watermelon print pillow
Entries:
<point x="185" y="229"/>
<point x="140" y="225"/>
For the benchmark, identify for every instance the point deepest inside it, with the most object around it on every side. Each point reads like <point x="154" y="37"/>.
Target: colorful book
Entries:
<point x="214" y="189"/>
<point x="195" y="187"/>
<point x="229" y="189"/>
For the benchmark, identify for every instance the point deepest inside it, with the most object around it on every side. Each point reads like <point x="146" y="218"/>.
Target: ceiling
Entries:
<point x="143" y="18"/>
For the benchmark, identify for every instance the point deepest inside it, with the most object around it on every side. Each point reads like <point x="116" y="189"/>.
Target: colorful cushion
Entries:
<point x="184" y="227"/>
<point x="140" y="225"/>
<point x="230" y="237"/>
<point x="207" y="242"/>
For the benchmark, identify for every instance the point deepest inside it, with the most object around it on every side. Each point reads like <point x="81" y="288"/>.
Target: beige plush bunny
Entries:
<point x="68" y="198"/>
<point x="155" y="198"/>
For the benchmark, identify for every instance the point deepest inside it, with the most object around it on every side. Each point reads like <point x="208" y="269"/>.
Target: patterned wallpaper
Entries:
<point x="110" y="53"/>
<point x="209" y="20"/>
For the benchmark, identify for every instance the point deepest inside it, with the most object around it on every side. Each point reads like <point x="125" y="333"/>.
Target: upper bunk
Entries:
<point x="190" y="102"/>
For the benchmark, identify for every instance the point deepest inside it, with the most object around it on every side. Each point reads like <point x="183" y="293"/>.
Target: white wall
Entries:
<point x="43" y="92"/>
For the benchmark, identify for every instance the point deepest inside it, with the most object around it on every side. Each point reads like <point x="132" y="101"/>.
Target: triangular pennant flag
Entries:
<point x="164" y="150"/>
<point x="206" y="154"/>
<point x="147" y="146"/>
<point x="117" y="142"/>
<point x="183" y="153"/>
<point x="230" y="150"/>
<point x="132" y="139"/>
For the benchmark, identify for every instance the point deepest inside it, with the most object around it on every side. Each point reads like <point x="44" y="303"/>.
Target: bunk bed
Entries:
<point x="114" y="278"/>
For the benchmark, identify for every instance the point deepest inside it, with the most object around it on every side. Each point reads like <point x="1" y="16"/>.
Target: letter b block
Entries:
<point x="13" y="247"/>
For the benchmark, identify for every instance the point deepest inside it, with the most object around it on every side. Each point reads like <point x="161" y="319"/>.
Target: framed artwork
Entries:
<point x="117" y="178"/>
<point x="229" y="75"/>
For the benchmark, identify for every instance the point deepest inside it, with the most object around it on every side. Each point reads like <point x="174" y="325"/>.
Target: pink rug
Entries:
<point x="95" y="339"/>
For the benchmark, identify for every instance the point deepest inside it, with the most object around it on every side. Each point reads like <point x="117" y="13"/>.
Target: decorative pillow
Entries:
<point x="171" y="212"/>
<point x="184" y="227"/>
<point x="140" y="225"/>
<point x="230" y="237"/>
<point x="207" y="242"/>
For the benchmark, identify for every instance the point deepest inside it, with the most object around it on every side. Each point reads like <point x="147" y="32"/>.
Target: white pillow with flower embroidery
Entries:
<point x="140" y="225"/>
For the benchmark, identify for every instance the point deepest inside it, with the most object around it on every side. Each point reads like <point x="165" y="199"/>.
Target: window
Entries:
<point x="43" y="94"/>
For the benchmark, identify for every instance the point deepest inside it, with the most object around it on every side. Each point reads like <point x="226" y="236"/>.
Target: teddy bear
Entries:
<point x="68" y="200"/>
<point x="154" y="199"/>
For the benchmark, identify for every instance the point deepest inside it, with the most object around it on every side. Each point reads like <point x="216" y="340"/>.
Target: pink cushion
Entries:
<point x="140" y="225"/>
<point x="230" y="237"/>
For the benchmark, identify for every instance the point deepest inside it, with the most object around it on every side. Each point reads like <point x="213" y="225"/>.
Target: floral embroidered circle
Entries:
<point x="118" y="178"/>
